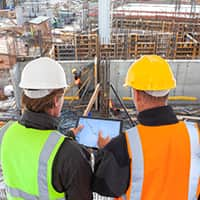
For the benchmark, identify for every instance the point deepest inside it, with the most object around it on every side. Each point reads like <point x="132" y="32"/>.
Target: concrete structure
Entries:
<point x="186" y="74"/>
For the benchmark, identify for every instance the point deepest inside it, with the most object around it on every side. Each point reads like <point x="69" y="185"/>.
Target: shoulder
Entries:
<point x="71" y="150"/>
<point x="70" y="166"/>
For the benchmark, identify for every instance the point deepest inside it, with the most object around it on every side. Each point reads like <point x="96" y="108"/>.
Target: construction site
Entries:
<point x="102" y="43"/>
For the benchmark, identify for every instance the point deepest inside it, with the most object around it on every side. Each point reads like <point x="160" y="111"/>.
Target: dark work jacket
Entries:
<point x="71" y="171"/>
<point x="112" y="163"/>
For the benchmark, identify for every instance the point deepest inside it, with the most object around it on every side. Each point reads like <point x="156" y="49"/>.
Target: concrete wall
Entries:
<point x="187" y="74"/>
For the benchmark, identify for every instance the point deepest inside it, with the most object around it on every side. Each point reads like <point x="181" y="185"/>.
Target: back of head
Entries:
<point x="41" y="76"/>
<point x="151" y="74"/>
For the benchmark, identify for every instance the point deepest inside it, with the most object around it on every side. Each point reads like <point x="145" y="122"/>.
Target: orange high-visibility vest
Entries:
<point x="165" y="162"/>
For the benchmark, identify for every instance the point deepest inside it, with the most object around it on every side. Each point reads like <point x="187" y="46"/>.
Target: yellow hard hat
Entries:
<point x="74" y="70"/>
<point x="150" y="72"/>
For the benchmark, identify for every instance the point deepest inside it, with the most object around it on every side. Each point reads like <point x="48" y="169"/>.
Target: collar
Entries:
<point x="41" y="121"/>
<point x="163" y="115"/>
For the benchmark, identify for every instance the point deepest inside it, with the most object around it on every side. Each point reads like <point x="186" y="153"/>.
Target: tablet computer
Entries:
<point x="88" y="136"/>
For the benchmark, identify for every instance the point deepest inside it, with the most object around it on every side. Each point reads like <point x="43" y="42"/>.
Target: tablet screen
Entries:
<point x="88" y="136"/>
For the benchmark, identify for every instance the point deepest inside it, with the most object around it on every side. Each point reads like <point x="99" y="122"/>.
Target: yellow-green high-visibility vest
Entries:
<point x="27" y="156"/>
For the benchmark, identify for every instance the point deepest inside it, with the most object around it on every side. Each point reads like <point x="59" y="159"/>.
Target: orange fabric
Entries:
<point x="198" y="189"/>
<point x="166" y="154"/>
<point x="78" y="81"/>
<point x="166" y="162"/>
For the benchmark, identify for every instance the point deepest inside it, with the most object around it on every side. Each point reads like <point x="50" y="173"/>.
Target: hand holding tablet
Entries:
<point x="88" y="136"/>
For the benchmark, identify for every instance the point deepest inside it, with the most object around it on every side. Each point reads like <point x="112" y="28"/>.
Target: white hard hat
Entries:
<point x="41" y="76"/>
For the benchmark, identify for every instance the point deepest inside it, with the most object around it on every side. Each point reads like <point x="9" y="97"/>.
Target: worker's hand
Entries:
<point x="102" y="142"/>
<point x="77" y="129"/>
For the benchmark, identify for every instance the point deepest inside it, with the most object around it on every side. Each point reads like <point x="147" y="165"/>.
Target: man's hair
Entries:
<point x="41" y="104"/>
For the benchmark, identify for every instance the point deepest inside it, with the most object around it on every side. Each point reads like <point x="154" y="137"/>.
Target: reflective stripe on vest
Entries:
<point x="18" y="193"/>
<point x="124" y="197"/>
<point x="138" y="162"/>
<point x="42" y="171"/>
<point x="4" y="129"/>
<point x="194" y="162"/>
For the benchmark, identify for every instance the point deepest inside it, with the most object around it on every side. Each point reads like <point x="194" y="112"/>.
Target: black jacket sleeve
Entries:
<point x="72" y="172"/>
<point x="111" y="172"/>
<point x="70" y="134"/>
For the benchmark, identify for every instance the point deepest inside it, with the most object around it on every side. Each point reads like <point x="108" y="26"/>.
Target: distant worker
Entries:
<point x="77" y="80"/>
<point x="159" y="159"/>
<point x="37" y="161"/>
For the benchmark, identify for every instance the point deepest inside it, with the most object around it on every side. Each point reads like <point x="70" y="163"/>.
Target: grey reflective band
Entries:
<point x="137" y="163"/>
<point x="43" y="160"/>
<point x="194" y="160"/>
<point x="4" y="129"/>
<point x="92" y="161"/>
<point x="124" y="197"/>
<point x="18" y="193"/>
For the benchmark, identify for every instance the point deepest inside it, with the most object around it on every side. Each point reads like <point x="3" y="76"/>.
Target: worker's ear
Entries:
<point x="136" y="98"/>
<point x="56" y="101"/>
<point x="135" y="94"/>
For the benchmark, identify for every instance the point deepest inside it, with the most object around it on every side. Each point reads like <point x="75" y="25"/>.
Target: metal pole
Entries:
<point x="122" y="104"/>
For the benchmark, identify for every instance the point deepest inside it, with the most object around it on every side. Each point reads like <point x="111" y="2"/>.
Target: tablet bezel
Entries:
<point x="100" y="118"/>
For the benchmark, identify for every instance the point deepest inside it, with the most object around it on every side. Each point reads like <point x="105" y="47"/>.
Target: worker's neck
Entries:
<point x="142" y="107"/>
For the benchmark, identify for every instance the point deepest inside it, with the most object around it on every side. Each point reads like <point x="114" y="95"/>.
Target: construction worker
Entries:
<point x="77" y="80"/>
<point x="160" y="157"/>
<point x="37" y="161"/>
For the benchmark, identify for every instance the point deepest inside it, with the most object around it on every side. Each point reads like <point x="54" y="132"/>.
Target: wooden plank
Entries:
<point x="92" y="100"/>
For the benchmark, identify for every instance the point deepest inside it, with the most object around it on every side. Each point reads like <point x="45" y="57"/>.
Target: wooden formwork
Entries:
<point x="196" y="39"/>
<point x="185" y="50"/>
<point x="85" y="46"/>
<point x="126" y="46"/>
<point x="132" y="42"/>
<point x="64" y="51"/>
<point x="107" y="51"/>
<point x="120" y="42"/>
<point x="64" y="46"/>
<point x="141" y="44"/>
<point x="156" y="25"/>
<point x="185" y="47"/>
